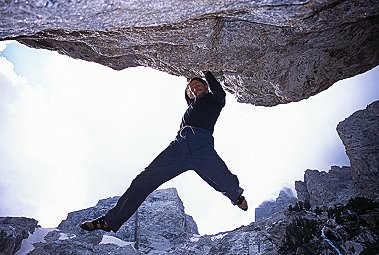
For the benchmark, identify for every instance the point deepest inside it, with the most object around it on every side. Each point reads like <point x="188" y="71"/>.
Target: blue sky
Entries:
<point x="73" y="132"/>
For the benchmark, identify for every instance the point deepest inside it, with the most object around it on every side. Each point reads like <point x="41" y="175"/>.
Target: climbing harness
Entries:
<point x="184" y="127"/>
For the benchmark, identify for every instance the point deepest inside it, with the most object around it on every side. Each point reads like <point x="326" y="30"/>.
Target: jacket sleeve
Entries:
<point x="216" y="88"/>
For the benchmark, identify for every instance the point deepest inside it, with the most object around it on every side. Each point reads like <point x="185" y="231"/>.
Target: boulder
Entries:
<point x="265" y="52"/>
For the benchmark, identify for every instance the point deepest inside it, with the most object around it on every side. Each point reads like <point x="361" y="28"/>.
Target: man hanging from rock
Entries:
<point x="193" y="148"/>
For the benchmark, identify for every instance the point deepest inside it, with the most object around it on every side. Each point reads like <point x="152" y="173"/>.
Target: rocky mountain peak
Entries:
<point x="159" y="220"/>
<point x="280" y="205"/>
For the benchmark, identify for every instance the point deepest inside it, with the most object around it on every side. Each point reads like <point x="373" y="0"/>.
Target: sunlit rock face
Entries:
<point x="266" y="52"/>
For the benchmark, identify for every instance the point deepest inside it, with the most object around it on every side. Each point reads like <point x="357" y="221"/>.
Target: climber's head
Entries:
<point x="196" y="87"/>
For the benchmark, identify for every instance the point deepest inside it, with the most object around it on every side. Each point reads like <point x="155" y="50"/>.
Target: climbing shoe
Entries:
<point x="99" y="223"/>
<point x="242" y="203"/>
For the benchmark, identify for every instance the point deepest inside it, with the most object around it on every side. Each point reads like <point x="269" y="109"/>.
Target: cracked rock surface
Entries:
<point x="360" y="136"/>
<point x="266" y="52"/>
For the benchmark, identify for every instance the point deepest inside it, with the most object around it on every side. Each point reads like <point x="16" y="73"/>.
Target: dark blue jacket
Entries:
<point x="203" y="111"/>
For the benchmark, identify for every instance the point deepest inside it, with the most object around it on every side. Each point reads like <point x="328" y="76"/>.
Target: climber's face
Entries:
<point x="196" y="89"/>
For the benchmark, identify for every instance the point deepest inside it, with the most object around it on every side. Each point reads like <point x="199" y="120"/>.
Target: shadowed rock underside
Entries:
<point x="266" y="52"/>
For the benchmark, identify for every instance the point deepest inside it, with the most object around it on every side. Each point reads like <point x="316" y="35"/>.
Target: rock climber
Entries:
<point x="193" y="148"/>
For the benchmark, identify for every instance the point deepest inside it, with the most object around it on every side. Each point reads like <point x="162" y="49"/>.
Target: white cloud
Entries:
<point x="9" y="80"/>
<point x="41" y="150"/>
<point x="4" y="44"/>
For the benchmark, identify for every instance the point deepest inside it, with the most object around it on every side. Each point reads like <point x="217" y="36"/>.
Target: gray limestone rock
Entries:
<point x="252" y="239"/>
<point x="74" y="219"/>
<point x="302" y="191"/>
<point x="351" y="228"/>
<point x="268" y="208"/>
<point x="266" y="52"/>
<point x="13" y="231"/>
<point x="162" y="223"/>
<point x="324" y="189"/>
<point x="159" y="223"/>
<point x="360" y="135"/>
<point x="78" y="246"/>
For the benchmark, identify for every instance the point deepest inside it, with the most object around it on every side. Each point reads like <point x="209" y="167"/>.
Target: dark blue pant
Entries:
<point x="193" y="148"/>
